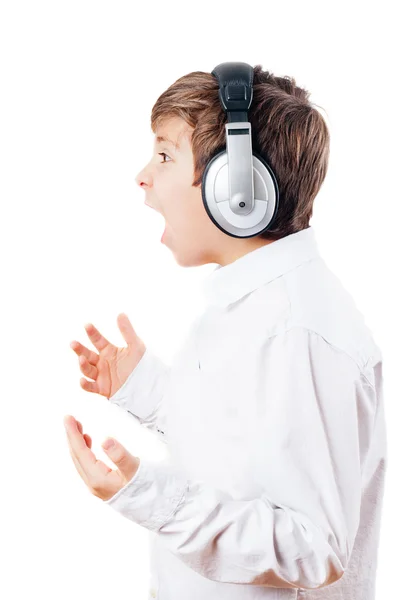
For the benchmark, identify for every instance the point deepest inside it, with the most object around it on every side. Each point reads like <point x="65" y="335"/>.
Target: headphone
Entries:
<point x="239" y="189"/>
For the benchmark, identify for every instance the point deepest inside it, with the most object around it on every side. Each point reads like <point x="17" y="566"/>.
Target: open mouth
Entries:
<point x="165" y="224"/>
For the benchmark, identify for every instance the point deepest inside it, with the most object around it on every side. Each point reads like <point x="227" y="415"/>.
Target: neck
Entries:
<point x="238" y="248"/>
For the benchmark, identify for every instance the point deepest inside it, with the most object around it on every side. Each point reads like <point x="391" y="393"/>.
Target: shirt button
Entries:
<point x="153" y="593"/>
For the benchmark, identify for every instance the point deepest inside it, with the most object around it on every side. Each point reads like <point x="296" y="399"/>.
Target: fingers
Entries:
<point x="98" y="340"/>
<point x="91" y="470"/>
<point x="89" y="386"/>
<point x="86" y="436"/>
<point x="87" y="369"/>
<point x="74" y="458"/>
<point x="126" y="329"/>
<point x="87" y="359"/>
<point x="85" y="457"/>
<point x="81" y="350"/>
<point x="77" y="465"/>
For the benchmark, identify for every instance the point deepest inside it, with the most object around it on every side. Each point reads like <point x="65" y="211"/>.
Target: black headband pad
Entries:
<point x="235" y="85"/>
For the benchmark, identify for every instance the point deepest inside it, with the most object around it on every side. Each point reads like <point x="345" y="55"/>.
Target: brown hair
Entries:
<point x="287" y="131"/>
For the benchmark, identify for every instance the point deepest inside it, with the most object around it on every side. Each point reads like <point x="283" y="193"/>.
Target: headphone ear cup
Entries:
<point x="208" y="180"/>
<point x="215" y="197"/>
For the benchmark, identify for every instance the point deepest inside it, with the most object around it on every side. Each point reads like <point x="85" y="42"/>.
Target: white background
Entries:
<point x="78" y="81"/>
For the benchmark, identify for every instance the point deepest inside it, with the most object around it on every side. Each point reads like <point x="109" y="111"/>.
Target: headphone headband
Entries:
<point x="235" y="89"/>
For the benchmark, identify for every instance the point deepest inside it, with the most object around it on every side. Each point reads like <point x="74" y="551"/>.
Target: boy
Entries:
<point x="272" y="409"/>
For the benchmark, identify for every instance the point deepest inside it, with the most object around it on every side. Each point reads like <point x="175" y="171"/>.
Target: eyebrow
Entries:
<point x="161" y="138"/>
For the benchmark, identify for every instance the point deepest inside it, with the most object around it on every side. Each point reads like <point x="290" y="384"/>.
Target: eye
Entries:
<point x="163" y="154"/>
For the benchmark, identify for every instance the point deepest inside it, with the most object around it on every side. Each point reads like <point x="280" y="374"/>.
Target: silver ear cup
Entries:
<point x="215" y="196"/>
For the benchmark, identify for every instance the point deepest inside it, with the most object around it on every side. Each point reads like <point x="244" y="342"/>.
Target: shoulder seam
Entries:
<point x="361" y="372"/>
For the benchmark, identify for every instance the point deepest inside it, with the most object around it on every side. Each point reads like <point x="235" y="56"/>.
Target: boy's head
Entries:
<point x="286" y="130"/>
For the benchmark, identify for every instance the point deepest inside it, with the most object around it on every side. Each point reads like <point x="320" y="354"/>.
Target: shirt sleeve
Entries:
<point x="300" y="531"/>
<point x="143" y="391"/>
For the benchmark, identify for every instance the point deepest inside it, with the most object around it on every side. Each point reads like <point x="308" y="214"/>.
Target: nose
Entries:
<point x="143" y="179"/>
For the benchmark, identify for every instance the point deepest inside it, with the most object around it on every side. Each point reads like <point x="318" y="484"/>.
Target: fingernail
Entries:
<point x="108" y="444"/>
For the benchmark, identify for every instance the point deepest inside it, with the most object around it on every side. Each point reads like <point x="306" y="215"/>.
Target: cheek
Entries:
<point x="182" y="211"/>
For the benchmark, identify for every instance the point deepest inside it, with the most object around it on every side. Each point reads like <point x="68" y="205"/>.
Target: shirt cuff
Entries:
<point x="144" y="388"/>
<point x="152" y="496"/>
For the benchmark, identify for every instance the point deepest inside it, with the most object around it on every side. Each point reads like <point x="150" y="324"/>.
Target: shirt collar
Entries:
<point x="228" y="283"/>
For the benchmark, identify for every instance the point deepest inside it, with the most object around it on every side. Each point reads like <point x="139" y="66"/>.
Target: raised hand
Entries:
<point x="102" y="481"/>
<point x="111" y="366"/>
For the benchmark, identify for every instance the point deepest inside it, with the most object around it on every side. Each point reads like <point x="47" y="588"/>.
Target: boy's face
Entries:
<point x="167" y="181"/>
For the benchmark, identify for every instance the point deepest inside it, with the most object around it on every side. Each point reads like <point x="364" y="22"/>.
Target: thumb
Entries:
<point x="126" y="328"/>
<point x="124" y="460"/>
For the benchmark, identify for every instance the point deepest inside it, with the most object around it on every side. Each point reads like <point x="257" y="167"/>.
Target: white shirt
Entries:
<point x="273" y="414"/>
